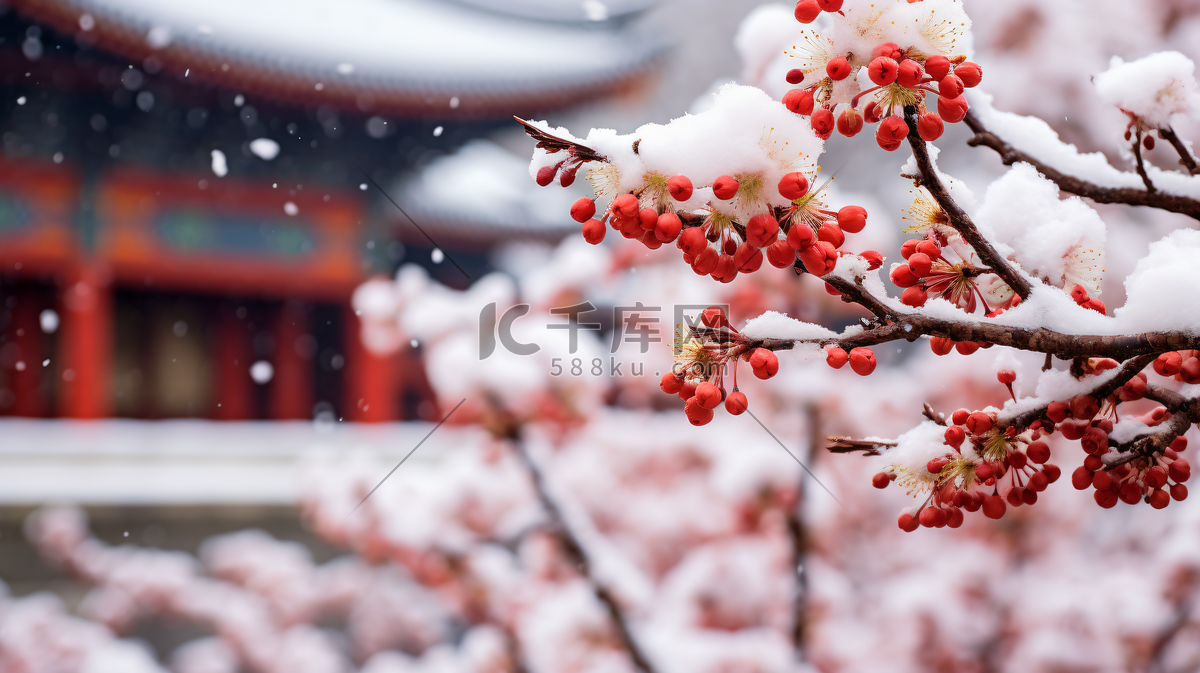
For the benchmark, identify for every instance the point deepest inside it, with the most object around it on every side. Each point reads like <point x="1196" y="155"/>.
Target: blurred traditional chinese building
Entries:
<point x="183" y="188"/>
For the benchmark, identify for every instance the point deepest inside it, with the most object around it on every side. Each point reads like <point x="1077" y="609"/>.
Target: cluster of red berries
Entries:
<point x="908" y="74"/>
<point x="1080" y="295"/>
<point x="1183" y="366"/>
<point x="1147" y="140"/>
<point x="733" y="252"/>
<point x="1024" y="464"/>
<point x="568" y="167"/>
<point x="702" y="398"/>
<point x="917" y="275"/>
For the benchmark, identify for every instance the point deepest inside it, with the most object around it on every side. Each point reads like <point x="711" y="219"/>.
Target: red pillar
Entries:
<point x="85" y="344"/>
<point x="370" y="379"/>
<point x="28" y="374"/>
<point x="234" y="398"/>
<point x="290" y="393"/>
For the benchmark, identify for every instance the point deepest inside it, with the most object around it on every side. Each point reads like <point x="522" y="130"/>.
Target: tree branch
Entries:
<point x="1185" y="157"/>
<point x="1009" y="155"/>
<point x="579" y="557"/>
<point x="959" y="219"/>
<point x="1128" y="370"/>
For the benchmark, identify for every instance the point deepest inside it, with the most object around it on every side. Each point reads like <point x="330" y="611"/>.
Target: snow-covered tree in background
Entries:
<point x="574" y="528"/>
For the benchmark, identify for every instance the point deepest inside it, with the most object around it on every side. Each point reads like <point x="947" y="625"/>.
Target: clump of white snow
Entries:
<point x="1059" y="241"/>
<point x="1152" y="88"/>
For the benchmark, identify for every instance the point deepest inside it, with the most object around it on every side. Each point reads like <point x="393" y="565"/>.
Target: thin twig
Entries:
<point x="574" y="549"/>
<point x="933" y="415"/>
<point x="1141" y="167"/>
<point x="869" y="447"/>
<point x="959" y="220"/>
<point x="1185" y="156"/>
<point x="1009" y="155"/>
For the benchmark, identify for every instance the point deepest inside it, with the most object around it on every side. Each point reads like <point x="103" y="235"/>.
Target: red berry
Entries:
<point x="822" y="123"/>
<point x="801" y="237"/>
<point x="648" y="217"/>
<point x="935" y="465"/>
<point x="920" y="265"/>
<point x="929" y="517"/>
<point x="626" y="206"/>
<point x="907" y="522"/>
<point x="956" y="518"/>
<point x="1179" y="492"/>
<point x="1052" y="472"/>
<point x="915" y="296"/>
<point x="1155" y="477"/>
<point x="762" y="230"/>
<point x="993" y="506"/>
<point x="680" y="188"/>
<point x="688" y="391"/>
<point x="747" y="259"/>
<point x="1190" y="371"/>
<point x="862" y="361"/>
<point x="736" y="404"/>
<point x="1129" y="493"/>
<point x="979" y="423"/>
<point x="903" y="276"/>
<point x="767" y="363"/>
<point x="1038" y="452"/>
<point x="959" y="417"/>
<point x="1093" y="463"/>
<point x="709" y="395"/>
<point x="831" y="6"/>
<point x="1058" y="411"/>
<point x="583" y="210"/>
<point x="696" y="413"/>
<point x="545" y="175"/>
<point x="950" y="86"/>
<point x="1178" y="444"/>
<point x="965" y="347"/>
<point x="1179" y="470"/>
<point x="726" y="271"/>
<point x="937" y="67"/>
<point x="833" y="291"/>
<point x="1006" y="376"/>
<point x="885" y="49"/>
<point x="1159" y="499"/>
<point x="930" y="127"/>
<point x="929" y="249"/>
<point x="836" y="357"/>
<point x="874" y="259"/>
<point x="1084" y="407"/>
<point x="780" y="254"/>
<point x="692" y="241"/>
<point x="941" y="345"/>
<point x="955" y="436"/>
<point x="883" y="70"/>
<point x="852" y="219"/>
<point x="832" y="234"/>
<point x="799" y="101"/>
<point x="1081" y="478"/>
<point x="706" y="261"/>
<point x="1039" y="481"/>
<point x="891" y="132"/>
<point x="651" y="241"/>
<point x="1015" y="497"/>
<point x="667" y="227"/>
<point x="872" y="112"/>
<point x="725" y="187"/>
<point x="793" y="186"/>
<point x="593" y="231"/>
<point x="670" y="383"/>
<point x="795" y="76"/>
<point x="1102" y="481"/>
<point x="819" y="259"/>
<point x="838" y="68"/>
<point x="1148" y="141"/>
<point x="1135" y="389"/>
<point x="970" y="73"/>
<point x="807" y="11"/>
<point x="909" y="74"/>
<point x="880" y="480"/>
<point x="952" y="110"/>
<point x="1106" y="499"/>
<point x="849" y="123"/>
